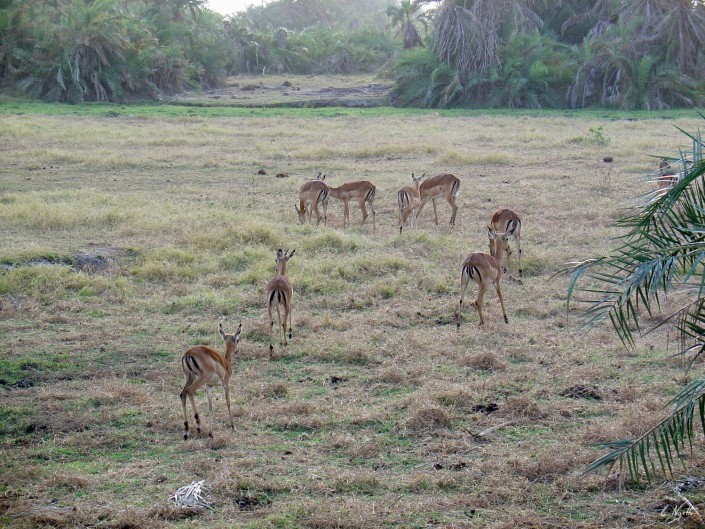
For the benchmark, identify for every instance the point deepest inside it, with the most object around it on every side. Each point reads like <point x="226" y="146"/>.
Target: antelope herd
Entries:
<point x="203" y="366"/>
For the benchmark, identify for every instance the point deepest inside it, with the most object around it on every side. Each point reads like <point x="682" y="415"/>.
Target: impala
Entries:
<point x="483" y="269"/>
<point x="667" y="176"/>
<point x="313" y="193"/>
<point x="442" y="185"/>
<point x="279" y="294"/>
<point x="408" y="199"/>
<point x="362" y="192"/>
<point x="203" y="365"/>
<point x="503" y="225"/>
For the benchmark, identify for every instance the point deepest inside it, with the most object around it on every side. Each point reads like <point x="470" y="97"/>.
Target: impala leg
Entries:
<point x="210" y="410"/>
<point x="325" y="212"/>
<point x="288" y="311"/>
<point x="279" y="326"/>
<point x="271" y="324"/>
<point x="501" y="301"/>
<point x="435" y="211"/>
<point x="318" y="215"/>
<point x="183" y="395"/>
<point x="372" y="209"/>
<point x="403" y="216"/>
<point x="226" y="388"/>
<point x="517" y="239"/>
<point x="190" y="388"/>
<point x="364" y="213"/>
<point x="421" y="205"/>
<point x="479" y="300"/>
<point x="464" y="281"/>
<point x="453" y="205"/>
<point x="346" y="214"/>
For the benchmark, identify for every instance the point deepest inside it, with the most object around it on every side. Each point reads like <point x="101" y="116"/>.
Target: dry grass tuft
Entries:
<point x="456" y="398"/>
<point x="278" y="390"/>
<point x="485" y="361"/>
<point x="429" y="418"/>
<point x="392" y="375"/>
<point x="219" y="441"/>
<point x="547" y="467"/>
<point x="521" y="407"/>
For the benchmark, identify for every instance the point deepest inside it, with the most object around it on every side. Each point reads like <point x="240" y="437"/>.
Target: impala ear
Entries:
<point x="236" y="336"/>
<point x="291" y="254"/>
<point x="220" y="330"/>
<point x="491" y="234"/>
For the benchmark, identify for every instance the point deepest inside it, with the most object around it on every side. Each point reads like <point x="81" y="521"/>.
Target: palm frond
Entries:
<point x="666" y="441"/>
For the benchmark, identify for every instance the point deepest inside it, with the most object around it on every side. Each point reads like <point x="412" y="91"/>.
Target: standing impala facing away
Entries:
<point x="279" y="294"/>
<point x="203" y="365"/>
<point x="442" y="185"/>
<point x="503" y="225"/>
<point x="313" y="193"/>
<point x="483" y="269"/>
<point x="408" y="198"/>
<point x="362" y="192"/>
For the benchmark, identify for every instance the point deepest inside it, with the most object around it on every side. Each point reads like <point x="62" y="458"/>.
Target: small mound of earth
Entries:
<point x="581" y="392"/>
<point x="250" y="503"/>
<point x="96" y="258"/>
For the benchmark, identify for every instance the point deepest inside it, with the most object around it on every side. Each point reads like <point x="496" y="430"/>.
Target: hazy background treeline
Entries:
<point x="501" y="53"/>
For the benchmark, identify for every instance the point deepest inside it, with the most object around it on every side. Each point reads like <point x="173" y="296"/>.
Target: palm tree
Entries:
<point x="663" y="251"/>
<point x="404" y="15"/>
<point x="469" y="33"/>
<point x="79" y="59"/>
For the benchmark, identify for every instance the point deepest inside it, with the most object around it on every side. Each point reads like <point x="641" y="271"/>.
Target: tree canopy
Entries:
<point x="501" y="53"/>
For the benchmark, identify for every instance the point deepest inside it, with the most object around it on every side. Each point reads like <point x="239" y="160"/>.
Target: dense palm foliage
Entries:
<point x="662" y="252"/>
<point x="502" y="53"/>
<point x="107" y="50"/>
<point x="532" y="53"/>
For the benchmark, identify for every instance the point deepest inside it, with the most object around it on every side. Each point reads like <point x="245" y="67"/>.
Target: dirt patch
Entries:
<point x="97" y="258"/>
<point x="303" y="91"/>
<point x="581" y="392"/>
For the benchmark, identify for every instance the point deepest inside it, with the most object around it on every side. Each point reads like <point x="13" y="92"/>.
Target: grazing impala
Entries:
<point x="279" y="294"/>
<point x="667" y="177"/>
<point x="362" y="192"/>
<point x="442" y="185"/>
<point x="408" y="198"/>
<point x="503" y="225"/>
<point x="203" y="365"/>
<point x="313" y="193"/>
<point x="483" y="269"/>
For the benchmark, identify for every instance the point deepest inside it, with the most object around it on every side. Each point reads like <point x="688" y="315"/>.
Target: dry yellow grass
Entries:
<point x="371" y="416"/>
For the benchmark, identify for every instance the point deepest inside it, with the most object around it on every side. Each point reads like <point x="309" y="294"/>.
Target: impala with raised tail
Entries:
<point x="408" y="198"/>
<point x="504" y="224"/>
<point x="279" y="294"/>
<point x="443" y="185"/>
<point x="362" y="192"/>
<point x="204" y="365"/>
<point x="483" y="269"/>
<point x="312" y="194"/>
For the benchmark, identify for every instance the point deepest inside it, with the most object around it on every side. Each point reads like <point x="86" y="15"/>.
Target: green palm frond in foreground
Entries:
<point x="663" y="250"/>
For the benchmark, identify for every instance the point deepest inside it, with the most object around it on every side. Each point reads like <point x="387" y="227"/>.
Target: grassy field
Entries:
<point x="127" y="233"/>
